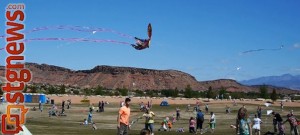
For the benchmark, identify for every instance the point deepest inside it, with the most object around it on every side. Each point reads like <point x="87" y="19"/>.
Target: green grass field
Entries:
<point x="39" y="123"/>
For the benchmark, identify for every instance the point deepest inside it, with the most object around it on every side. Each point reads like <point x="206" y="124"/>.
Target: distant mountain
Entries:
<point x="286" y="80"/>
<point x="112" y="77"/>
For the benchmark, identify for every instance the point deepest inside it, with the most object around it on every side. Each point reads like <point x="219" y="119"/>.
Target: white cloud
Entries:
<point x="295" y="69"/>
<point x="297" y="45"/>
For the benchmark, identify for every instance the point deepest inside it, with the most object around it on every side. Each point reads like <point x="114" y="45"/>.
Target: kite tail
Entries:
<point x="77" y="40"/>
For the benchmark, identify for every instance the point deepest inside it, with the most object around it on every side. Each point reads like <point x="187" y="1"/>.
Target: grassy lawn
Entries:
<point x="39" y="123"/>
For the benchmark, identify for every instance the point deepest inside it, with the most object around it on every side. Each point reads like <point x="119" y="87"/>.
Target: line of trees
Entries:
<point x="188" y="92"/>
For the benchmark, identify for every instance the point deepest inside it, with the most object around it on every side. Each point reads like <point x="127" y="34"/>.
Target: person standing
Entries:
<point x="293" y="124"/>
<point x="99" y="106"/>
<point x="259" y="112"/>
<point x="149" y="123"/>
<point x="243" y="123"/>
<point x="177" y="113"/>
<point x="256" y="125"/>
<point x="212" y="122"/>
<point x="206" y="108"/>
<point x="278" y="123"/>
<point x="102" y="105"/>
<point x="68" y="103"/>
<point x="40" y="105"/>
<point x="188" y="108"/>
<point x="281" y="105"/>
<point x="200" y="120"/>
<point x="63" y="107"/>
<point x="192" y="125"/>
<point x="123" y="118"/>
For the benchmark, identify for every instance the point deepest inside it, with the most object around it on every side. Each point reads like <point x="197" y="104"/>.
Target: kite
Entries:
<point x="140" y="43"/>
<point x="267" y="104"/>
<point x="269" y="112"/>
<point x="257" y="50"/>
<point x="143" y="43"/>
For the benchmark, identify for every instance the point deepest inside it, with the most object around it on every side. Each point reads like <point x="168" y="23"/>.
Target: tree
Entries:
<point x="222" y="92"/>
<point x="209" y="93"/>
<point x="62" y="89"/>
<point x="33" y="89"/>
<point x="87" y="91"/>
<point x="150" y="93"/>
<point x="99" y="91"/>
<point x="263" y="92"/>
<point x="170" y="93"/>
<point x="51" y="90"/>
<point x="76" y="92"/>
<point x="123" y="91"/>
<point x="274" y="95"/>
<point x="188" y="92"/>
<point x="175" y="93"/>
<point x="139" y="93"/>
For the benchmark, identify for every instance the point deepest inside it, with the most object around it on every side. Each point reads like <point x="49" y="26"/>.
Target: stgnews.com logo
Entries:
<point x="15" y="72"/>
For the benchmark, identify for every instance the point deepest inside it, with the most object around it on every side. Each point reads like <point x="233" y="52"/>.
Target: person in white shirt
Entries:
<point x="212" y="122"/>
<point x="256" y="125"/>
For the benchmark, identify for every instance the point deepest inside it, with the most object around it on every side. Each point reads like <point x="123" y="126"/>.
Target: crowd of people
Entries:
<point x="244" y="125"/>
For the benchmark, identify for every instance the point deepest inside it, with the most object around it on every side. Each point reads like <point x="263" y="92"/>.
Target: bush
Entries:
<point x="76" y="92"/>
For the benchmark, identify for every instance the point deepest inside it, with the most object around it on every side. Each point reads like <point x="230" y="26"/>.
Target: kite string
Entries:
<point x="77" y="40"/>
<point x="257" y="50"/>
<point x="74" y="28"/>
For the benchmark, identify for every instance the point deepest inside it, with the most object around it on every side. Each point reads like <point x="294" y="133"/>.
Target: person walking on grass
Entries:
<point x="200" y="120"/>
<point x="123" y="118"/>
<point x="206" y="108"/>
<point x="149" y="123"/>
<point x="293" y="124"/>
<point x="277" y="121"/>
<point x="212" y="122"/>
<point x="177" y="113"/>
<point x="256" y="125"/>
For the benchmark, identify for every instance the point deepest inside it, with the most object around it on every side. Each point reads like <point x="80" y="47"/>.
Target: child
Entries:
<point x="164" y="125"/>
<point x="145" y="132"/>
<point x="180" y="129"/>
<point x="173" y="119"/>
<point x="94" y="126"/>
<point x="192" y="125"/>
<point x="256" y="125"/>
<point x="169" y="126"/>
<point x="85" y="122"/>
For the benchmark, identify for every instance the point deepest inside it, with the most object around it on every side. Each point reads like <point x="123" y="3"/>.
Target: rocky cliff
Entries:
<point x="112" y="77"/>
<point x="132" y="78"/>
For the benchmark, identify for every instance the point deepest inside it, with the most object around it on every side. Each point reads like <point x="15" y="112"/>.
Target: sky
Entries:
<point x="203" y="38"/>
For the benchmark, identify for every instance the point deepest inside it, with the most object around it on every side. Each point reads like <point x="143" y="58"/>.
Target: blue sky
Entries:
<point x="202" y="38"/>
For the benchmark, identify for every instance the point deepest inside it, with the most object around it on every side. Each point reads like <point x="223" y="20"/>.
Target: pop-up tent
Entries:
<point x="164" y="103"/>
